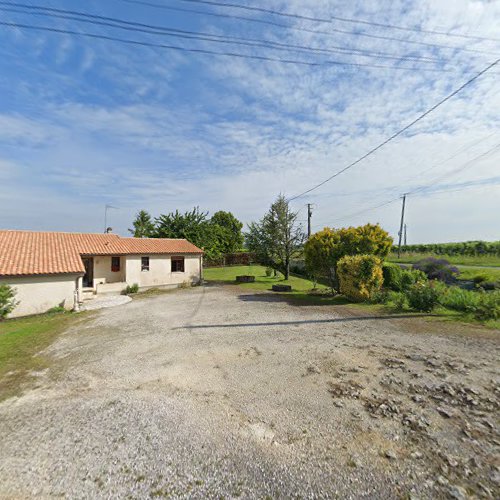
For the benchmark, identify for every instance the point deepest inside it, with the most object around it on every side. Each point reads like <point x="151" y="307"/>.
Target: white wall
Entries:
<point x="103" y="273"/>
<point x="160" y="271"/>
<point x="38" y="294"/>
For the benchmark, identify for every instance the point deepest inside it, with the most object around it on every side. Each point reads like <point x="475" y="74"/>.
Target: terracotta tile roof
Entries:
<point x="30" y="252"/>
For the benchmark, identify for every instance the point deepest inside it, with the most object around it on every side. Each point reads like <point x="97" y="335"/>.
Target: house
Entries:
<point x="49" y="269"/>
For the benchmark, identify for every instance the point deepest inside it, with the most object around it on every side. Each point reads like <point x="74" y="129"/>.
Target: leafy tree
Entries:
<point x="143" y="225"/>
<point x="324" y="249"/>
<point x="277" y="237"/>
<point x="7" y="300"/>
<point x="231" y="237"/>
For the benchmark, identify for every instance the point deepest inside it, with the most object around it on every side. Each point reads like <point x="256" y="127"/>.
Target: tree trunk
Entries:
<point x="287" y="268"/>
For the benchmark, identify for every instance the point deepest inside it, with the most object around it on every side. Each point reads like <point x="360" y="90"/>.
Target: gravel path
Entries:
<point x="103" y="301"/>
<point x="211" y="392"/>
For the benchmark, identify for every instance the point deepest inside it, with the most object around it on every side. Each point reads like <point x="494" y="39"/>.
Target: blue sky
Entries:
<point x="85" y="122"/>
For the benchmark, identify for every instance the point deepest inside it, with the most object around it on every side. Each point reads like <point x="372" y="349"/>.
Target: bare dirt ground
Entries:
<point x="215" y="393"/>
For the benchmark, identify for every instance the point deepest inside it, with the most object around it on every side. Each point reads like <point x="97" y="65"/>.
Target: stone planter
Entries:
<point x="245" y="279"/>
<point x="282" y="288"/>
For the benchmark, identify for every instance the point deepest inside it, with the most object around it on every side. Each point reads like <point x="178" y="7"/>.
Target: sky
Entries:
<point x="89" y="121"/>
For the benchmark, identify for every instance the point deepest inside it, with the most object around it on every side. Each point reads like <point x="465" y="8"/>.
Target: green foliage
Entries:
<point x="469" y="248"/>
<point x="324" y="249"/>
<point x="131" y="289"/>
<point x="231" y="237"/>
<point x="398" y="279"/>
<point x="7" y="300"/>
<point x="56" y="310"/>
<point x="360" y="276"/>
<point x="269" y="272"/>
<point x="488" y="307"/>
<point x="143" y="225"/>
<point x="216" y="236"/>
<point x="423" y="296"/>
<point x="277" y="238"/>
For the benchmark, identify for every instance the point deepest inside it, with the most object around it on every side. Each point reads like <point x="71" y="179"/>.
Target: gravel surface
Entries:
<point x="211" y="392"/>
<point x="103" y="301"/>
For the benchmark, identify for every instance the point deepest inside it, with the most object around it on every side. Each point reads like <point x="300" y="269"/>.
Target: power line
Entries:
<point x="212" y="52"/>
<point x="337" y="18"/>
<point x="306" y="30"/>
<point x="423" y="188"/>
<point x="174" y="32"/>
<point x="401" y="131"/>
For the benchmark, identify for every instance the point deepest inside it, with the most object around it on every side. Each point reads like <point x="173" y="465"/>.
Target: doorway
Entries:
<point x="88" y="277"/>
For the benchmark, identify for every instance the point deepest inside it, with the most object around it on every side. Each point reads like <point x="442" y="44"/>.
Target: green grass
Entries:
<point x="464" y="260"/>
<point x="470" y="272"/>
<point x="302" y="289"/>
<point x="21" y="341"/>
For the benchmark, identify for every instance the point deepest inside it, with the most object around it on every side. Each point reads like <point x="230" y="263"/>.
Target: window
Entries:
<point x="115" y="264"/>
<point x="144" y="263"/>
<point x="177" y="264"/>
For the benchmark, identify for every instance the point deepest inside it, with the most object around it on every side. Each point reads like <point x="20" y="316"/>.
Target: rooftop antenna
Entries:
<point x="106" y="208"/>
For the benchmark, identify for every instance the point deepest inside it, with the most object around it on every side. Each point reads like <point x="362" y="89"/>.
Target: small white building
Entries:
<point x="50" y="269"/>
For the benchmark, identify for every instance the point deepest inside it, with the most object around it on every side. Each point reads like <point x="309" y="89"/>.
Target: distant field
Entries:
<point x="464" y="260"/>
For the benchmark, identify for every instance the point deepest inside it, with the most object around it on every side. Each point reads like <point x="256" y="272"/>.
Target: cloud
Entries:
<point x="92" y="122"/>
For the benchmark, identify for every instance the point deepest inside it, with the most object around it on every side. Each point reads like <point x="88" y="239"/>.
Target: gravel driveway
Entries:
<point x="214" y="392"/>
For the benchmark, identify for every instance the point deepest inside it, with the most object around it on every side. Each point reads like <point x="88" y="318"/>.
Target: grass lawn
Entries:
<point x="470" y="272"/>
<point x="21" y="341"/>
<point x="463" y="260"/>
<point x="302" y="289"/>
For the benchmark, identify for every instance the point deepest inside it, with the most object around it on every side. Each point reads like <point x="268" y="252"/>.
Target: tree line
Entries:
<point x="216" y="235"/>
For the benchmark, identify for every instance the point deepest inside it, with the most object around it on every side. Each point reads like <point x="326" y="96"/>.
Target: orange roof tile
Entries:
<point x="30" y="252"/>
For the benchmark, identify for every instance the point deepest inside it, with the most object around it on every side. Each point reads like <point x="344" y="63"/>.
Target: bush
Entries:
<point x="269" y="272"/>
<point x="56" y="310"/>
<point x="7" y="300"/>
<point x="459" y="299"/>
<point x="399" y="280"/>
<point x="360" y="276"/>
<point x="437" y="269"/>
<point x="488" y="306"/>
<point x="131" y="289"/>
<point x="422" y="296"/>
<point x="489" y="285"/>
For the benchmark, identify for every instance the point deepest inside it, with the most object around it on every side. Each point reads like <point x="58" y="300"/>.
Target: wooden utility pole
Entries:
<point x="405" y="237"/>
<point x="309" y="215"/>
<point x="401" y="226"/>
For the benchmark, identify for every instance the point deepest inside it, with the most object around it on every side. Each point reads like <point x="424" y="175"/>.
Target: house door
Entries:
<point x="88" y="277"/>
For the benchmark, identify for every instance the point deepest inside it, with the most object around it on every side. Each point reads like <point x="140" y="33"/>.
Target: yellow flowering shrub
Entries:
<point x="360" y="276"/>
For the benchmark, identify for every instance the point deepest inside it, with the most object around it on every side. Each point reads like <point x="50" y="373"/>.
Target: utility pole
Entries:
<point x="309" y="215"/>
<point x="401" y="226"/>
<point x="405" y="237"/>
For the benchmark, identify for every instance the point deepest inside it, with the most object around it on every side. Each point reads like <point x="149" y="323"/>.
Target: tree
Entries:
<point x="277" y="237"/>
<point x="231" y="237"/>
<point x="7" y="300"/>
<point x="193" y="226"/>
<point x="325" y="248"/>
<point x="143" y="225"/>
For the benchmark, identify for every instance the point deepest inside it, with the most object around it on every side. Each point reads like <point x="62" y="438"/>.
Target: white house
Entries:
<point x="49" y="269"/>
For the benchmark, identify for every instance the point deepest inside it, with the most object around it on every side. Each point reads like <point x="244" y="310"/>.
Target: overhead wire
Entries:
<point x="400" y="131"/>
<point x="204" y="36"/>
<point x="213" y="52"/>
<point x="307" y="30"/>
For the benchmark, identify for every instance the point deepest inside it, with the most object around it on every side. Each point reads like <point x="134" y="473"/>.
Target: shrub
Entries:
<point x="398" y="300"/>
<point x="488" y="306"/>
<point x="459" y="299"/>
<point x="269" y="272"/>
<point x="399" y="280"/>
<point x="56" y="310"/>
<point x="7" y="300"/>
<point x="131" y="289"/>
<point x="422" y="296"/>
<point x="480" y="278"/>
<point x="360" y="276"/>
<point x="490" y="285"/>
<point x="437" y="269"/>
